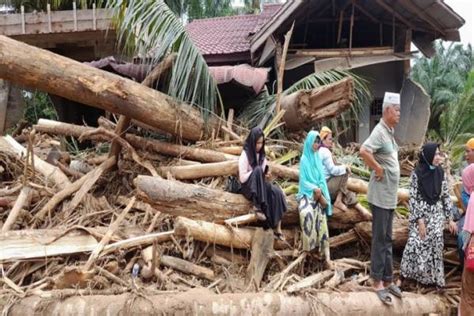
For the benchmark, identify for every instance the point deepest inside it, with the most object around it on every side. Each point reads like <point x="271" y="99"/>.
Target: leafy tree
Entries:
<point x="443" y="77"/>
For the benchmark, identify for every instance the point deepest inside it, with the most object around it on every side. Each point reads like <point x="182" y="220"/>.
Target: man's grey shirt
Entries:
<point x="381" y="143"/>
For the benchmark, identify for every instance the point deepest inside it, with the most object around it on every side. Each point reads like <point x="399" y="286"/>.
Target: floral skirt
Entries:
<point x="314" y="227"/>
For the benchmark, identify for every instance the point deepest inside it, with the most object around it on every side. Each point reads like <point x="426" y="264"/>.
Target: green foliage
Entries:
<point x="38" y="105"/>
<point x="199" y="9"/>
<point x="443" y="76"/>
<point x="150" y="28"/>
<point x="457" y="123"/>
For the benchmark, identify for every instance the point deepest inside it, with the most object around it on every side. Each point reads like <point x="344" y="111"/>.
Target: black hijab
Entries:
<point x="250" y="147"/>
<point x="429" y="180"/>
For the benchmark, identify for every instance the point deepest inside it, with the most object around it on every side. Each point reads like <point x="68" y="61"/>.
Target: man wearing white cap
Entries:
<point x="380" y="153"/>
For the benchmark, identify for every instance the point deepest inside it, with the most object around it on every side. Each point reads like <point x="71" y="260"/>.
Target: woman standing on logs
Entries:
<point x="430" y="207"/>
<point x="337" y="176"/>
<point x="269" y="199"/>
<point x="467" y="289"/>
<point x="314" y="201"/>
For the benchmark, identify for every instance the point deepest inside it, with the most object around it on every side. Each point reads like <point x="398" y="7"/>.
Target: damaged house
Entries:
<point x="372" y="38"/>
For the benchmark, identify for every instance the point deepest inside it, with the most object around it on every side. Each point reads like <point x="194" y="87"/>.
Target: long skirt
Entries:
<point x="266" y="197"/>
<point x="314" y="226"/>
<point x="423" y="259"/>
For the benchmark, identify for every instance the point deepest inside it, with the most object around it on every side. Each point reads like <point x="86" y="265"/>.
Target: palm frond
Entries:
<point x="150" y="29"/>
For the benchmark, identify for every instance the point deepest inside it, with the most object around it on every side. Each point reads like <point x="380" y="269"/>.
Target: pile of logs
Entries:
<point x="142" y="225"/>
<point x="80" y="228"/>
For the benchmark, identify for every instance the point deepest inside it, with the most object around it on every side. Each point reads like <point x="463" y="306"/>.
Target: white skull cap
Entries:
<point x="391" y="98"/>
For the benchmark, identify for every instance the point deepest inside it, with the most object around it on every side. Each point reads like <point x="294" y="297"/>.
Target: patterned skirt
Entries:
<point x="314" y="227"/>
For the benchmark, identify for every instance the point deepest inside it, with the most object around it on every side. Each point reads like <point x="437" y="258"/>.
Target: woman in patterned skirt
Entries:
<point x="430" y="207"/>
<point x="314" y="201"/>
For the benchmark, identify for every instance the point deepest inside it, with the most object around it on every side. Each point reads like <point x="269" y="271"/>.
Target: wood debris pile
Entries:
<point x="154" y="221"/>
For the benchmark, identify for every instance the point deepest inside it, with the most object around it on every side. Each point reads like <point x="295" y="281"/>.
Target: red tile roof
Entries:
<point x="230" y="34"/>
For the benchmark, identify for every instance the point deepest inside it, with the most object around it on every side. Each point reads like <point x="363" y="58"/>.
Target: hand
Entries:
<point x="269" y="175"/>
<point x="379" y="173"/>
<point x="422" y="229"/>
<point x="317" y="194"/>
<point x="348" y="170"/>
<point x="453" y="228"/>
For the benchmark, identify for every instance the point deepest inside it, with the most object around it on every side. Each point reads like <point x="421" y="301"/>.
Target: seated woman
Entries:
<point x="337" y="176"/>
<point x="314" y="201"/>
<point x="430" y="207"/>
<point x="466" y="307"/>
<point x="269" y="199"/>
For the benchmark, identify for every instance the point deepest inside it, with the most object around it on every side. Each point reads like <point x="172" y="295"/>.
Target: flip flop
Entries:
<point x="395" y="291"/>
<point x="384" y="296"/>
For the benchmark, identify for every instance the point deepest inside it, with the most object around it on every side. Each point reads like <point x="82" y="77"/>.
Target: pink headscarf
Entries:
<point x="468" y="182"/>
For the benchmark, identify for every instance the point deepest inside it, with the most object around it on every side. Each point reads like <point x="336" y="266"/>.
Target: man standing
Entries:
<point x="380" y="153"/>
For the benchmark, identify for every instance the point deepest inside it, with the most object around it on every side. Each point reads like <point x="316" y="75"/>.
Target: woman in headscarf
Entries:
<point x="337" y="176"/>
<point x="466" y="306"/>
<point x="269" y="199"/>
<point x="430" y="207"/>
<point x="314" y="201"/>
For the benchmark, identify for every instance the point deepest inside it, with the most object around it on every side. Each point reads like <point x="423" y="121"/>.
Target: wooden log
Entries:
<point x="313" y="280"/>
<point x="42" y="243"/>
<point x="197" y="154"/>
<point x="75" y="81"/>
<point x="179" y="264"/>
<point x="209" y="303"/>
<point x="240" y="238"/>
<point x="51" y="173"/>
<point x="70" y="189"/>
<point x="399" y="236"/>
<point x="262" y="248"/>
<point x="105" y="240"/>
<point x="242" y="220"/>
<point x="22" y="200"/>
<point x="216" y="169"/>
<point x="213" y="205"/>
<point x="306" y="107"/>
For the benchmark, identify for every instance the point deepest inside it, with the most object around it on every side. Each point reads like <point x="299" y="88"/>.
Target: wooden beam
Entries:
<point x="387" y="7"/>
<point x="413" y="8"/>
<point x="366" y="13"/>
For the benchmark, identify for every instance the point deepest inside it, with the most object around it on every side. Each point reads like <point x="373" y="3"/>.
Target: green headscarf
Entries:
<point x="311" y="172"/>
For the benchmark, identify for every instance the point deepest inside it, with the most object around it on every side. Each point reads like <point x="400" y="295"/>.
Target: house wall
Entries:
<point x="382" y="78"/>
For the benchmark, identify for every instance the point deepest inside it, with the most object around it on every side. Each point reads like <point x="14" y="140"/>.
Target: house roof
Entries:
<point x="230" y="34"/>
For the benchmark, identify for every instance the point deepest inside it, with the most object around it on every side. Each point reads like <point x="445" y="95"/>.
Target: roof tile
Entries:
<point x="230" y="34"/>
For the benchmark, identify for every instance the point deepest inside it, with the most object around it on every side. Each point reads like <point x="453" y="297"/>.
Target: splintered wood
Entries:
<point x="106" y="226"/>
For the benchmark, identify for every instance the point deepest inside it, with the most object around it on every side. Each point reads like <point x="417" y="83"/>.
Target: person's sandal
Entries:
<point x="395" y="291"/>
<point x="384" y="296"/>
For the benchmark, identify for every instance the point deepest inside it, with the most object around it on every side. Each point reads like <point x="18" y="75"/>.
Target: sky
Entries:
<point x="465" y="8"/>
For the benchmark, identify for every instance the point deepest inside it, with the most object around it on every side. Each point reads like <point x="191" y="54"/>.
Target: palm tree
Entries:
<point x="457" y="124"/>
<point x="151" y="29"/>
<point x="443" y="77"/>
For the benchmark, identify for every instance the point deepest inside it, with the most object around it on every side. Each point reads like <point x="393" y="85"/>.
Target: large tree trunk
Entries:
<point x="204" y="302"/>
<point x="306" y="107"/>
<point x="213" y="205"/>
<point x="33" y="67"/>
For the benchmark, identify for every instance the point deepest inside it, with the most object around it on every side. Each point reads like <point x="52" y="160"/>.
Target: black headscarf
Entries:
<point x="250" y="147"/>
<point x="429" y="180"/>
